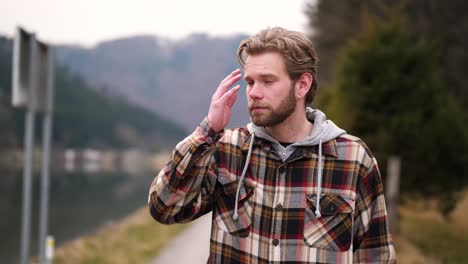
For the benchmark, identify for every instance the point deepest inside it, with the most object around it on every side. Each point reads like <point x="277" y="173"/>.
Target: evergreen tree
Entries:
<point x="388" y="91"/>
<point x="444" y="24"/>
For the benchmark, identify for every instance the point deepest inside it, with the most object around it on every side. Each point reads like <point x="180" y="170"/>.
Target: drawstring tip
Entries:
<point x="235" y="216"/>
<point x="317" y="214"/>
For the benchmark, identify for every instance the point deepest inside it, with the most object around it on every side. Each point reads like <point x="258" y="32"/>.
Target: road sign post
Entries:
<point x="47" y="134"/>
<point x="33" y="89"/>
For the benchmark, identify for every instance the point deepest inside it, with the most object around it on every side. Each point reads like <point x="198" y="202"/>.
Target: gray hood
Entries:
<point x="324" y="130"/>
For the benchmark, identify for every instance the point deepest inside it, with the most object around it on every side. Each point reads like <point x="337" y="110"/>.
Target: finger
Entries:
<point x="225" y="98"/>
<point x="224" y="87"/>
<point x="227" y="82"/>
<point x="232" y="99"/>
<point x="233" y="96"/>
<point x="233" y="73"/>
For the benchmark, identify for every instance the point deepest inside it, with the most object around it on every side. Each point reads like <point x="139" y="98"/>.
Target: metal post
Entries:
<point x="393" y="190"/>
<point x="28" y="157"/>
<point x="49" y="250"/>
<point x="47" y="133"/>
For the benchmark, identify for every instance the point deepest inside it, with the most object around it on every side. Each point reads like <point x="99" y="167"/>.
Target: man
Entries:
<point x="289" y="187"/>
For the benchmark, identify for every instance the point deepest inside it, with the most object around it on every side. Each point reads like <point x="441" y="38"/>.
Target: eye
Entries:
<point x="249" y="83"/>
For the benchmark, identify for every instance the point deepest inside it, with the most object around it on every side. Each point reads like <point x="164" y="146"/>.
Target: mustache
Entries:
<point x="255" y="105"/>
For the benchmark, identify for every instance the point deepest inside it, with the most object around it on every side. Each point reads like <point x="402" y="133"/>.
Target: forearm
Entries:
<point x="372" y="239"/>
<point x="182" y="189"/>
<point x="374" y="243"/>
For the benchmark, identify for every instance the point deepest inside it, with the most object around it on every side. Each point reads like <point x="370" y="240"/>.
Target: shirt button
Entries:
<point x="275" y="242"/>
<point x="279" y="207"/>
<point x="209" y="140"/>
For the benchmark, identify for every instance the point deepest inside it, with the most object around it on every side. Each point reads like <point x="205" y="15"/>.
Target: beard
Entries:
<point x="275" y="116"/>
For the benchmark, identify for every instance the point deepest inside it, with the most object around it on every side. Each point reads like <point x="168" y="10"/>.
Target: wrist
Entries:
<point x="213" y="126"/>
<point x="210" y="134"/>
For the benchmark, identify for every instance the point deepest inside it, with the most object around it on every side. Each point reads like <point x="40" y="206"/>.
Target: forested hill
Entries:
<point x="85" y="116"/>
<point x="176" y="78"/>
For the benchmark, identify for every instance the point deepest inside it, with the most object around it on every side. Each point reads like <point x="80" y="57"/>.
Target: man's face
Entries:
<point x="270" y="91"/>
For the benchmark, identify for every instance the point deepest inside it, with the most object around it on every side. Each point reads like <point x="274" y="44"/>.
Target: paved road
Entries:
<point x="191" y="246"/>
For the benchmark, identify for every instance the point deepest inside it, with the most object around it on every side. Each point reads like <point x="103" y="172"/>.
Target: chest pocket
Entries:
<point x="333" y="230"/>
<point x="224" y="203"/>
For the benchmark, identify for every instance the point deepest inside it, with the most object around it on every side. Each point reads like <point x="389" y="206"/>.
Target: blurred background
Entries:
<point x="135" y="77"/>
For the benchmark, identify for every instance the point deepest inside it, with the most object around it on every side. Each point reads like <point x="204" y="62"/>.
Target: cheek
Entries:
<point x="247" y="95"/>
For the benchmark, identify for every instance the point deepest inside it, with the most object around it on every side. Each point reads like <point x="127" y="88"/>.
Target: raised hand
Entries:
<point x="223" y="100"/>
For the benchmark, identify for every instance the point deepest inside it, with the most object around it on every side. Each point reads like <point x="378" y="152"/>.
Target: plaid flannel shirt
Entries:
<point x="276" y="206"/>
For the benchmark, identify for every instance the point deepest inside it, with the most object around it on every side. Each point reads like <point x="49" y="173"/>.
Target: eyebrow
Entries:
<point x="262" y="76"/>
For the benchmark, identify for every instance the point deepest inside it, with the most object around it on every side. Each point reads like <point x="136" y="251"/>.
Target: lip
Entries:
<point x="257" y="108"/>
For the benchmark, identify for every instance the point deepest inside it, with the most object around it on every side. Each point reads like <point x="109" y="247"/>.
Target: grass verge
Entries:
<point x="440" y="240"/>
<point x="136" y="239"/>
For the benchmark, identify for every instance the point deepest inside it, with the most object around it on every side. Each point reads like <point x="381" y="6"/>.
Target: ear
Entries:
<point x="303" y="84"/>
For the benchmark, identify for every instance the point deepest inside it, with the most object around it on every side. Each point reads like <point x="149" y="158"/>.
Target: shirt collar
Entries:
<point x="328" y="148"/>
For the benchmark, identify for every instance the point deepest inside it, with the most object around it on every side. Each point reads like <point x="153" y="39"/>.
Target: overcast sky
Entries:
<point x="88" y="22"/>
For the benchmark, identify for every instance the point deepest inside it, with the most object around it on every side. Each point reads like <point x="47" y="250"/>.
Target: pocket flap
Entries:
<point x="330" y="204"/>
<point x="229" y="186"/>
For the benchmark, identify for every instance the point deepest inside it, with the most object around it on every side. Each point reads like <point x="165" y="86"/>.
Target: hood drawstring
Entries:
<point x="319" y="180"/>
<point x="235" y="216"/>
<point x="323" y="131"/>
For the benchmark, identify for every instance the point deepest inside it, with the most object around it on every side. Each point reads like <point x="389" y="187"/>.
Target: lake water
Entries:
<point x="79" y="204"/>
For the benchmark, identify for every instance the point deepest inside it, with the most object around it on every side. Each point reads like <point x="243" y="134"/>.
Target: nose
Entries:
<point x="255" y="92"/>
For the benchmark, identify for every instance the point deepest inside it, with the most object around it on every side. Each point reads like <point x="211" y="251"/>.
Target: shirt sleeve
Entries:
<point x="372" y="241"/>
<point x="182" y="190"/>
